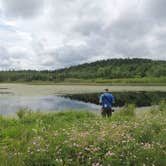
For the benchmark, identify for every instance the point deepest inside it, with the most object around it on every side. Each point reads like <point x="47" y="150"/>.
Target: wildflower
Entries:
<point x="124" y="141"/>
<point x="76" y="145"/>
<point x="96" y="164"/>
<point x="109" y="154"/>
<point x="56" y="134"/>
<point x="34" y="143"/>
<point x="96" y="149"/>
<point x="58" y="160"/>
<point x="147" y="145"/>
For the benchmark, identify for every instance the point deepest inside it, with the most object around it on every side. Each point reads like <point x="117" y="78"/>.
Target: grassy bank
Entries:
<point x="142" y="81"/>
<point x="84" y="138"/>
<point x="124" y="81"/>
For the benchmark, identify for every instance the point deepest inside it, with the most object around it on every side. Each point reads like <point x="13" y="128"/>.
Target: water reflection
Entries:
<point x="139" y="98"/>
<point x="11" y="104"/>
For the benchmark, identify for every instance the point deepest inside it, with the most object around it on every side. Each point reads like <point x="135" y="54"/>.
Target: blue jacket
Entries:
<point x="106" y="99"/>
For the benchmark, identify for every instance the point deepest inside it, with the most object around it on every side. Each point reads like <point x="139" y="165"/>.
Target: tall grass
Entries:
<point x="84" y="138"/>
<point x="148" y="80"/>
<point x="162" y="105"/>
<point x="128" y="110"/>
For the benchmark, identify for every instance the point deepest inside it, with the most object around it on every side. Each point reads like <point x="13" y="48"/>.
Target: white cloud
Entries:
<point x="22" y="8"/>
<point x="49" y="34"/>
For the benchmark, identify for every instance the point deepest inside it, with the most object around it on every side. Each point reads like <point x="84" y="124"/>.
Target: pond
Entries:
<point x="11" y="104"/>
<point x="139" y="98"/>
<point x="73" y="97"/>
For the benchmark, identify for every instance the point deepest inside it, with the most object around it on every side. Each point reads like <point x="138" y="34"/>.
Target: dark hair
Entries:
<point x="106" y="90"/>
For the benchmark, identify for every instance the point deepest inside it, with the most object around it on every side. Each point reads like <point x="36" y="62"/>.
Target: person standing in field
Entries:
<point x="106" y="101"/>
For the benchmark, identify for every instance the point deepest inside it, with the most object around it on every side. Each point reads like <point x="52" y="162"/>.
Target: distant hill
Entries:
<point x="116" y="68"/>
<point x="104" y="69"/>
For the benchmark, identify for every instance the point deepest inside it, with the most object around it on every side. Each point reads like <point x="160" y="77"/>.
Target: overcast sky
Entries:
<point x="51" y="34"/>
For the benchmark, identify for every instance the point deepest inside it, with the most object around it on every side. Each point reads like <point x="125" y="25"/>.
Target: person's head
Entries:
<point x="106" y="90"/>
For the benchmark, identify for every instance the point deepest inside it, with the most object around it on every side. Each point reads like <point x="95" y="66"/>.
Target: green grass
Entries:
<point x="137" y="81"/>
<point x="144" y="80"/>
<point x="84" y="138"/>
<point x="155" y="81"/>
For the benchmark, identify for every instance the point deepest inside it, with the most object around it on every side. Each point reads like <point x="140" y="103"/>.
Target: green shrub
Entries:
<point x="23" y="112"/>
<point x="128" y="110"/>
<point x="162" y="106"/>
<point x="153" y="110"/>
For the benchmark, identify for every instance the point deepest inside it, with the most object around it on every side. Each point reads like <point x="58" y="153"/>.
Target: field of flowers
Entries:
<point x="84" y="138"/>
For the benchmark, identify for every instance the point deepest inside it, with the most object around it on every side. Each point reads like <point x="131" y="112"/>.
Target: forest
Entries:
<point x="110" y="69"/>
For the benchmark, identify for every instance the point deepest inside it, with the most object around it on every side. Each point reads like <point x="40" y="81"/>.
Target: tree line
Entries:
<point x="103" y="69"/>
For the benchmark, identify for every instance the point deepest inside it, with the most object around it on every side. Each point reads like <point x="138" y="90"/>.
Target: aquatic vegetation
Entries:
<point x="84" y="138"/>
<point x="63" y="89"/>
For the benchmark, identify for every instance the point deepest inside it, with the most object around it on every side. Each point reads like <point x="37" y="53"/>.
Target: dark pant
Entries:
<point x="106" y="112"/>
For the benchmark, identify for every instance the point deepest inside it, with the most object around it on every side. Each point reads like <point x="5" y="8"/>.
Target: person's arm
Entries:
<point x="100" y="100"/>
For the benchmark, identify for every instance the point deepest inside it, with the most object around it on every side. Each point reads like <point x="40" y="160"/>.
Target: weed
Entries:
<point x="83" y="138"/>
<point x="23" y="112"/>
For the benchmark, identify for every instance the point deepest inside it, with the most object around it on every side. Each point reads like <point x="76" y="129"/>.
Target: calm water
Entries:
<point x="139" y="98"/>
<point x="11" y="104"/>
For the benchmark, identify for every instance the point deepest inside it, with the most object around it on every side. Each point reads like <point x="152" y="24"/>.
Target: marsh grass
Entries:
<point x="162" y="105"/>
<point x="23" y="112"/>
<point x="128" y="110"/>
<point x="161" y="108"/>
<point x="84" y="138"/>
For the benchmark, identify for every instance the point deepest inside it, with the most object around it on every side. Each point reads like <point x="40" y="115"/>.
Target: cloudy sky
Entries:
<point x="51" y="34"/>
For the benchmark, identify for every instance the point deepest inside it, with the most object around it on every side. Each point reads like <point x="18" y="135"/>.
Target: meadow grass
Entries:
<point x="84" y="138"/>
<point x="144" y="80"/>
